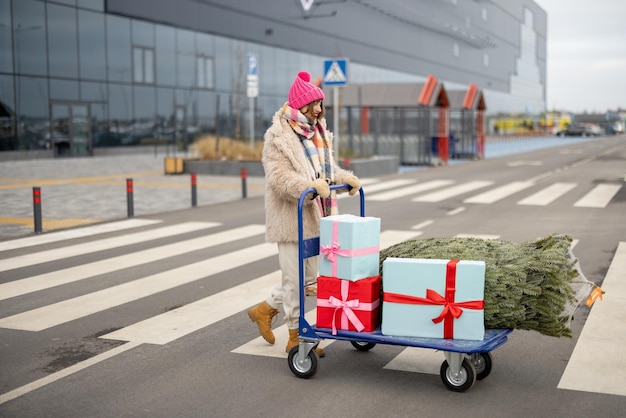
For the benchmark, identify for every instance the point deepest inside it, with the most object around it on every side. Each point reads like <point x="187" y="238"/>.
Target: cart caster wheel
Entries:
<point x="482" y="362"/>
<point x="305" y="368"/>
<point x="460" y="382"/>
<point x="362" y="346"/>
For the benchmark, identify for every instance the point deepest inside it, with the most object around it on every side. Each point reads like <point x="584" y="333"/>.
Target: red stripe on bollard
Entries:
<point x="244" y="187"/>
<point x="130" y="204"/>
<point x="194" y="190"/>
<point x="37" y="222"/>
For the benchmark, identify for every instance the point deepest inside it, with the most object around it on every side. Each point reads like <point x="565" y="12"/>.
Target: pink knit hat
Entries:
<point x="302" y="92"/>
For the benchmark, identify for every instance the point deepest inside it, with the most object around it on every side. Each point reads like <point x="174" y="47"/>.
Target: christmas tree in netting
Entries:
<point x="534" y="285"/>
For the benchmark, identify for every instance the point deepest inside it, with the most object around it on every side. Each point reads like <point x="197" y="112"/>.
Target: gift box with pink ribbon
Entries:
<point x="433" y="298"/>
<point x="349" y="247"/>
<point x="346" y="305"/>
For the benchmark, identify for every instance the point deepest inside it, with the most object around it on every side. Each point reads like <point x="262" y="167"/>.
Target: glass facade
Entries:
<point x="73" y="78"/>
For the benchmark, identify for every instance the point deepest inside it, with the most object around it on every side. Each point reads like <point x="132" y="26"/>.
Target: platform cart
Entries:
<point x="465" y="360"/>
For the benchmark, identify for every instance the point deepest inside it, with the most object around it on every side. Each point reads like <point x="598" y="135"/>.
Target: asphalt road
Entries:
<point x="150" y="320"/>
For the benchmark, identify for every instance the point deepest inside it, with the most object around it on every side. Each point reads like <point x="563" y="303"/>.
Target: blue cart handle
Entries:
<point x="332" y="187"/>
<point x="305" y="329"/>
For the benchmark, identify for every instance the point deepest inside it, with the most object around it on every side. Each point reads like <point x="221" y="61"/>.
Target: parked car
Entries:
<point x="581" y="129"/>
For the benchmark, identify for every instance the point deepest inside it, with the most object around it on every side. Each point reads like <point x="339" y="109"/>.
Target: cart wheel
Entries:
<point x="305" y="368"/>
<point x="482" y="362"/>
<point x="461" y="382"/>
<point x="362" y="346"/>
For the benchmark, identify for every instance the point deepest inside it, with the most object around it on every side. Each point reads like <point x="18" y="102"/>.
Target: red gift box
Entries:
<point x="348" y="305"/>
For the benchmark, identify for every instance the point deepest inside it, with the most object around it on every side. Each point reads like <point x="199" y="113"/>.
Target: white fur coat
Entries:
<point x="287" y="175"/>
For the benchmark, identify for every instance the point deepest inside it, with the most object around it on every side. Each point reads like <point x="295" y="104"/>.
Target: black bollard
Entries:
<point x="244" y="188"/>
<point x="194" y="191"/>
<point x="37" y="209"/>
<point x="129" y="198"/>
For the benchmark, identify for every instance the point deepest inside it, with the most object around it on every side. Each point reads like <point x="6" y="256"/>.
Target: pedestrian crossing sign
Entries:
<point x="336" y="72"/>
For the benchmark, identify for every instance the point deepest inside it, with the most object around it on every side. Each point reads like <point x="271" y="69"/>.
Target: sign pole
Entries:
<point x="336" y="121"/>
<point x="252" y="122"/>
<point x="253" y="90"/>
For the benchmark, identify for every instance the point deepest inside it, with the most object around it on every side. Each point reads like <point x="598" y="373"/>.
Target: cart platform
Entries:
<point x="493" y="339"/>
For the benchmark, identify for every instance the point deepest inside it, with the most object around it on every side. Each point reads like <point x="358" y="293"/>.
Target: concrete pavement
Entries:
<point x="81" y="191"/>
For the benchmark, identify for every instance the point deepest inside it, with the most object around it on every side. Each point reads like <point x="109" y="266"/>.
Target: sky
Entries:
<point x="586" y="65"/>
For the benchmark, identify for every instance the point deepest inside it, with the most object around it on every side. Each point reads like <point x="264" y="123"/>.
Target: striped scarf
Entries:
<point x="317" y="148"/>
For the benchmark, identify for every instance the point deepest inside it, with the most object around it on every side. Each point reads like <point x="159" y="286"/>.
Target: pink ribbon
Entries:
<point x="347" y="308"/>
<point x="333" y="250"/>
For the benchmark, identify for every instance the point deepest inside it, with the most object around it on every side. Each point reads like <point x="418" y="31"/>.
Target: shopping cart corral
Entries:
<point x="465" y="360"/>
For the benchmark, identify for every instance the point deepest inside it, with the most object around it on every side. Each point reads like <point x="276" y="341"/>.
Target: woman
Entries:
<point x="297" y="155"/>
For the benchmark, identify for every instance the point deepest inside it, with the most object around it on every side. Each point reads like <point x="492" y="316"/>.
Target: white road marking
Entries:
<point x="386" y="185"/>
<point x="417" y="360"/>
<point x="452" y="191"/>
<point x="75" y="233"/>
<point x="259" y="347"/>
<point x="174" y="324"/>
<point x="599" y="196"/>
<point x="423" y="224"/>
<point x="406" y="191"/>
<point x="101" y="245"/>
<point x="81" y="306"/>
<point x="597" y="360"/>
<point x="548" y="195"/>
<point x="84" y="271"/>
<point x="499" y="193"/>
<point x="524" y="162"/>
<point x="455" y="211"/>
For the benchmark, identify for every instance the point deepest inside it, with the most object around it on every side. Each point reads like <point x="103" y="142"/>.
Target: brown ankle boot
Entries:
<point x="263" y="314"/>
<point x="293" y="341"/>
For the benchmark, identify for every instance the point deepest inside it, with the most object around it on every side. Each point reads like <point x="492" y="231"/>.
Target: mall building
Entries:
<point x="81" y="76"/>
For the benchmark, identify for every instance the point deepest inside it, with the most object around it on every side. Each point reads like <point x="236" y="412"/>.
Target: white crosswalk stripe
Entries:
<point x="81" y="306"/>
<point x="75" y="233"/>
<point x="83" y="271"/>
<point x="452" y="191"/>
<point x="599" y="196"/>
<point x="591" y="367"/>
<point x="499" y="193"/>
<point x="441" y="189"/>
<point x="176" y="323"/>
<point x="407" y="191"/>
<point x="105" y="244"/>
<point x="548" y="195"/>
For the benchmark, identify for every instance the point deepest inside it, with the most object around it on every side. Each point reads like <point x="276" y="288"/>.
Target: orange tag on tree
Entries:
<point x="595" y="294"/>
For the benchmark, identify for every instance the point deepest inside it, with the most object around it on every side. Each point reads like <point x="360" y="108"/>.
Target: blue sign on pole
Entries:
<point x="336" y="72"/>
<point x="252" y="65"/>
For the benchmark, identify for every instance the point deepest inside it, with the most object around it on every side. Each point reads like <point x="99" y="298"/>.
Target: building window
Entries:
<point x="204" y="72"/>
<point x="486" y="60"/>
<point x="456" y="50"/>
<point x="143" y="65"/>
